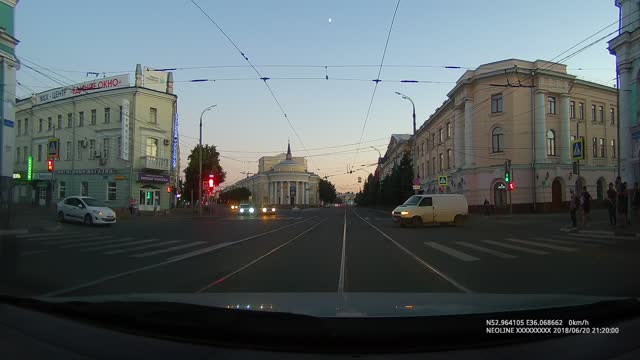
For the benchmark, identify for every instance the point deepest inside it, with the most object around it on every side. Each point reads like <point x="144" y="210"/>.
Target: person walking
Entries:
<point x="486" y="207"/>
<point x="611" y="204"/>
<point x="586" y="206"/>
<point x="573" y="208"/>
<point x="623" y="203"/>
<point x="132" y="204"/>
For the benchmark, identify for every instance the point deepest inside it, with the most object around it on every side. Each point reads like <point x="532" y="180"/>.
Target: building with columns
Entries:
<point x="626" y="48"/>
<point x="282" y="180"/>
<point x="526" y="112"/>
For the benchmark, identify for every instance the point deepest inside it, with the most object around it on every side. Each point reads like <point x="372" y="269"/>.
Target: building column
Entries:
<point x="458" y="138"/>
<point x="565" y="138"/>
<point x="540" y="127"/>
<point x="468" y="134"/>
<point x="626" y="123"/>
<point x="270" y="192"/>
<point x="276" y="192"/>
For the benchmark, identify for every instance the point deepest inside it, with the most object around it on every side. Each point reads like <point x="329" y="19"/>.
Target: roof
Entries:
<point x="401" y="137"/>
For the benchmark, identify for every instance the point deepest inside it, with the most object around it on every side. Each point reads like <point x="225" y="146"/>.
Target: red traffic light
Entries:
<point x="210" y="183"/>
<point x="512" y="186"/>
<point x="168" y="189"/>
<point x="49" y="165"/>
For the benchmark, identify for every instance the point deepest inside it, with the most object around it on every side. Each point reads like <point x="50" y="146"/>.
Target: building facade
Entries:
<point x="626" y="48"/>
<point x="282" y="180"/>
<point x="528" y="113"/>
<point x="8" y="66"/>
<point x="399" y="144"/>
<point x="113" y="142"/>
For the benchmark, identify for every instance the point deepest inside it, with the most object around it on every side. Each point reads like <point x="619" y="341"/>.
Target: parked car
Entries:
<point x="85" y="209"/>
<point x="432" y="208"/>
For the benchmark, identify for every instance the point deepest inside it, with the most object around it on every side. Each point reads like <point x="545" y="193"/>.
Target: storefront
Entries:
<point x="150" y="190"/>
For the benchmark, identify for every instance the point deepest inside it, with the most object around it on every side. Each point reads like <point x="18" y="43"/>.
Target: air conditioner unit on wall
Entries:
<point x="167" y="142"/>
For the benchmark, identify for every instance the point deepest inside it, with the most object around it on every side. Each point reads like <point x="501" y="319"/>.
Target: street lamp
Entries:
<point x="379" y="154"/>
<point x="200" y="161"/>
<point x="415" y="142"/>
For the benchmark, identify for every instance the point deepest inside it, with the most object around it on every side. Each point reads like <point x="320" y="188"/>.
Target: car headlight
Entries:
<point x="241" y="210"/>
<point x="251" y="210"/>
<point x="264" y="209"/>
<point x="97" y="212"/>
<point x="404" y="213"/>
<point x="273" y="209"/>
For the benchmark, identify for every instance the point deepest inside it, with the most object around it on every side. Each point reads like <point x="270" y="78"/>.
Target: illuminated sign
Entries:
<point x="174" y="148"/>
<point x="112" y="82"/>
<point x="124" y="132"/>
<point x="17" y="176"/>
<point x="29" y="168"/>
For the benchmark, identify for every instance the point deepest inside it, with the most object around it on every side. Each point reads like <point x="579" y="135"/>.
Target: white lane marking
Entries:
<point x="57" y="237"/>
<point x="101" y="242"/>
<point x="488" y="251"/>
<point x="588" y="241"/>
<point x="418" y="259"/>
<point x="453" y="252"/>
<point x="112" y="246"/>
<point x="343" y="254"/>
<point x="563" y="242"/>
<point x="79" y="239"/>
<point x="599" y="232"/>
<point x="225" y="277"/>
<point x="229" y="243"/>
<point x="120" y="251"/>
<point x="532" y="251"/>
<point x="173" y="248"/>
<point x="29" y="253"/>
<point x="548" y="246"/>
<point x="152" y="266"/>
<point x="38" y="235"/>
<point x="612" y="237"/>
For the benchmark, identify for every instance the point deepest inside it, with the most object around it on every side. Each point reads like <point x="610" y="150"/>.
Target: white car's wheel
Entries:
<point x="88" y="220"/>
<point x="61" y="216"/>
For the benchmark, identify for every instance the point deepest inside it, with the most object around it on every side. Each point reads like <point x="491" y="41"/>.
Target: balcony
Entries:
<point x="152" y="162"/>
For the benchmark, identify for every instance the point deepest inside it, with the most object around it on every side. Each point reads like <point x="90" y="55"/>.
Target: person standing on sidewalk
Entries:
<point x="573" y="208"/>
<point x="586" y="206"/>
<point x="132" y="205"/>
<point x="486" y="207"/>
<point x="611" y="204"/>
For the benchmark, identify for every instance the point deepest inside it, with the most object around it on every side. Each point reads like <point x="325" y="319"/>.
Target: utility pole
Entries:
<point x="200" y="162"/>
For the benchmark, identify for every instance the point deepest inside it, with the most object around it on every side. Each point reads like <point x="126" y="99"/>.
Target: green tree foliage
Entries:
<point x="392" y="190"/>
<point x="210" y="166"/>
<point x="235" y="195"/>
<point x="327" y="191"/>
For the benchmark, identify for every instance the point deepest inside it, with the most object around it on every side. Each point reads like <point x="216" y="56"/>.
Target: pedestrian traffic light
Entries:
<point x="49" y="165"/>
<point x="512" y="186"/>
<point x="507" y="176"/>
<point x="211" y="183"/>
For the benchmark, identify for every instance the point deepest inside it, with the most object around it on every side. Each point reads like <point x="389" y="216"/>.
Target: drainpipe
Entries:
<point x="533" y="143"/>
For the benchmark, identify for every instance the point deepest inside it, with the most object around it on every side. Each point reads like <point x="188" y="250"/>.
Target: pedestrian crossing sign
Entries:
<point x="443" y="181"/>
<point x="577" y="149"/>
<point x="53" y="148"/>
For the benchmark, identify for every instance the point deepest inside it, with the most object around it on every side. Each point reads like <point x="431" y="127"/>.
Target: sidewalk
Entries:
<point x="29" y="218"/>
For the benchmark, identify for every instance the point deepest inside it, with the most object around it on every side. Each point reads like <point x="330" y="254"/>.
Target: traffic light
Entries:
<point x="507" y="176"/>
<point x="49" y="165"/>
<point x="168" y="189"/>
<point x="512" y="186"/>
<point x="211" y="183"/>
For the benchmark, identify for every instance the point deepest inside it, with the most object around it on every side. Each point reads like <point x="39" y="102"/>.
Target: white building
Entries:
<point x="114" y="141"/>
<point x="282" y="180"/>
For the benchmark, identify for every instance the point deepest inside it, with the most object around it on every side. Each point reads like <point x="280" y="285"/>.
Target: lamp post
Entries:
<point x="413" y="151"/>
<point x="200" y="162"/>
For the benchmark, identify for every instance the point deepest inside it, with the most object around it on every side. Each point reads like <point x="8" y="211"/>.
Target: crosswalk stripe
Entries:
<point x="162" y="251"/>
<point x="599" y="232"/>
<point x="101" y="242"/>
<point x="56" y="237"/>
<point x="514" y="247"/>
<point x="453" y="252"/>
<point x="83" y="239"/>
<point x="548" y="246"/>
<point x="563" y="242"/>
<point x="588" y="241"/>
<point x="38" y="235"/>
<point x="28" y="253"/>
<point x="581" y="234"/>
<point x="120" y="251"/>
<point x="488" y="251"/>
<point x="111" y="246"/>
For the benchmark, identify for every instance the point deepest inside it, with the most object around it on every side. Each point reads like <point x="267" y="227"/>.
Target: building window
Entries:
<point x="111" y="191"/>
<point x="26" y="126"/>
<point x="62" y="190"/>
<point x="106" y="144"/>
<point x="69" y="120"/>
<point x="581" y="111"/>
<point x="81" y="118"/>
<point x="69" y="151"/>
<point x="153" y="115"/>
<point x="614" y="150"/>
<point x="84" y="188"/>
<point x="119" y="147"/>
<point x="120" y="116"/>
<point x="433" y="165"/>
<point x="497" y="140"/>
<point x="603" y="151"/>
<point x="40" y="125"/>
<point x="94" y="116"/>
<point x="433" y="140"/>
<point x="26" y="154"/>
<point x="601" y="112"/>
<point x="593" y="113"/>
<point x="572" y="109"/>
<point x="448" y="130"/>
<point x="49" y="123"/>
<point x="59" y="121"/>
<point x="421" y="170"/>
<point x="449" y="157"/>
<point x="551" y="104"/>
<point x="152" y="147"/>
<point x="107" y="115"/>
<point x="92" y="148"/>
<point x="612" y="116"/>
<point x="496" y="103"/>
<point x="551" y="143"/>
<point x="441" y="135"/>
<point x="39" y="152"/>
<point x="80" y="149"/>
<point x="440" y="161"/>
<point x="594" y="146"/>
<point x="18" y="154"/>
<point x="428" y="167"/>
<point x="19" y="127"/>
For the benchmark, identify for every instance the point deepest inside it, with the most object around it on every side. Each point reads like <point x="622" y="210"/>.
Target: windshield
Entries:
<point x="184" y="117"/>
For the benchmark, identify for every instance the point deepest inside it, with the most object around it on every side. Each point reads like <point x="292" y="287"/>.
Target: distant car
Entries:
<point x="85" y="209"/>
<point x="432" y="208"/>
<point x="268" y="210"/>
<point x="246" y="209"/>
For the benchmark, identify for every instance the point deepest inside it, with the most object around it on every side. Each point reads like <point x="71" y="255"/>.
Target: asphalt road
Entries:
<point x="322" y="250"/>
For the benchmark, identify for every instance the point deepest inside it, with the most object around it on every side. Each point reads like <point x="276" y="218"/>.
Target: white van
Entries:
<point x="432" y="208"/>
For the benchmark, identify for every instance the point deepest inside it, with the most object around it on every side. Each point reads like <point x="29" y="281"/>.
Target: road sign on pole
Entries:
<point x="53" y="148"/>
<point x="577" y="149"/>
<point x="443" y="180"/>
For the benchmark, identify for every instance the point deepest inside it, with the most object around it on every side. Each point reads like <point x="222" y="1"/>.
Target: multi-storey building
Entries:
<point x="114" y="142"/>
<point x="399" y="144"/>
<point x="528" y="113"/>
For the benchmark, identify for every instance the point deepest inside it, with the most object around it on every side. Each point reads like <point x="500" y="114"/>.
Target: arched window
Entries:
<point x="551" y="143"/>
<point x="497" y="140"/>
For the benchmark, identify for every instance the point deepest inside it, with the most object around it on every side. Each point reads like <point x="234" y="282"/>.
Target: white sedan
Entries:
<point x="85" y="209"/>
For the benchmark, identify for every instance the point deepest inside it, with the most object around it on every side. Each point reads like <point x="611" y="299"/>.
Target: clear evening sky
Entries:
<point x="79" y="36"/>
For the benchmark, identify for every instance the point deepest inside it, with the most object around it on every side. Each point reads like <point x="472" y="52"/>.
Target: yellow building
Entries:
<point x="114" y="141"/>
<point x="525" y="112"/>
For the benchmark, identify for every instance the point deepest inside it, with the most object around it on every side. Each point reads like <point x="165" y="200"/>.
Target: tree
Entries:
<point x="235" y="195"/>
<point x="392" y="190"/>
<point x="210" y="166"/>
<point x="327" y="191"/>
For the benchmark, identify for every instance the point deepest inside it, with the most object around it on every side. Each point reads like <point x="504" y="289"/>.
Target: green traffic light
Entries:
<point x="507" y="177"/>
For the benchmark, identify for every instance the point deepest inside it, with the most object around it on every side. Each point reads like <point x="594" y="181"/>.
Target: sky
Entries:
<point x="326" y="119"/>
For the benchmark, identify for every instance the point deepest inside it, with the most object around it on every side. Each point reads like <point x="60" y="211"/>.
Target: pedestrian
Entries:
<point x="623" y="203"/>
<point x="486" y="207"/>
<point x="156" y="205"/>
<point x="132" y="203"/>
<point x="586" y="205"/>
<point x="573" y="208"/>
<point x="611" y="204"/>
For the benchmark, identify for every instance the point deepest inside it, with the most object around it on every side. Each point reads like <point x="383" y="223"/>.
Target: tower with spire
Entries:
<point x="288" y="150"/>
